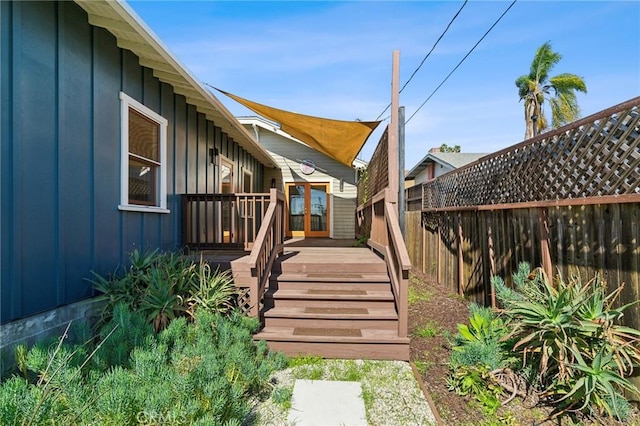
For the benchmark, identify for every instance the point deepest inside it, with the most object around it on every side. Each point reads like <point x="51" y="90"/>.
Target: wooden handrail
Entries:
<point x="267" y="247"/>
<point x="399" y="266"/>
<point x="386" y="239"/>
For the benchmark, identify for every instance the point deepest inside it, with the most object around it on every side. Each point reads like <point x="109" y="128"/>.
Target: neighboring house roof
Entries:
<point x="275" y="128"/>
<point x="452" y="160"/>
<point x="133" y="34"/>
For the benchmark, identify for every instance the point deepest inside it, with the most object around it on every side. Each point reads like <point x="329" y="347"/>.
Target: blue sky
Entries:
<point x="333" y="59"/>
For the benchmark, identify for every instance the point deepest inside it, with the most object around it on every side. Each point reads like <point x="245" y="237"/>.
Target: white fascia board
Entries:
<point x="128" y="15"/>
<point x="270" y="126"/>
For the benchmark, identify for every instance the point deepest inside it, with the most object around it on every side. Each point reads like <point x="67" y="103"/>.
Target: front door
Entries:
<point x="308" y="209"/>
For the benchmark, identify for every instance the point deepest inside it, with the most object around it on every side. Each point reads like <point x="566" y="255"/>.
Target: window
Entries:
<point x="226" y="176"/>
<point x="143" y="158"/>
<point x="247" y="181"/>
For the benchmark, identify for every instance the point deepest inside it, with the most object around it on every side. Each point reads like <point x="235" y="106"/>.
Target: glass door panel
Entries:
<point x="318" y="203"/>
<point x="297" y="209"/>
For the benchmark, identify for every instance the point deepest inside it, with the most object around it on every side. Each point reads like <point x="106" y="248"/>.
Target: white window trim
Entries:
<point x="223" y="159"/>
<point x="247" y="174"/>
<point x="127" y="102"/>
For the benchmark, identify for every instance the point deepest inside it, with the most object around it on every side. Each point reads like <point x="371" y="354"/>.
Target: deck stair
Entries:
<point x="334" y="303"/>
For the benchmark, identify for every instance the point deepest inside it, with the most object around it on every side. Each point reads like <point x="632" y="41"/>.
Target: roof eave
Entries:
<point x="133" y="34"/>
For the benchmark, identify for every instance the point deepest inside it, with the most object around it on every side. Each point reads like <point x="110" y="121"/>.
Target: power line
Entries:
<point x="461" y="61"/>
<point x="428" y="54"/>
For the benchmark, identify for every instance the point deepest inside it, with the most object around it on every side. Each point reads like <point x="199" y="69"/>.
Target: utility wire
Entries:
<point x="428" y="54"/>
<point x="461" y="61"/>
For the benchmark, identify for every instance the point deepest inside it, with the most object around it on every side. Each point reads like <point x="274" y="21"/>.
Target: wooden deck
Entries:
<point x="328" y="300"/>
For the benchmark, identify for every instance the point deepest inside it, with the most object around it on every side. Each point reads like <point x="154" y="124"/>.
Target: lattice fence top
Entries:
<point x="594" y="157"/>
<point x="376" y="176"/>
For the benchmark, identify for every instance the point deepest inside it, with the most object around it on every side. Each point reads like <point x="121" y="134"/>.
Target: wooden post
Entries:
<point x="543" y="225"/>
<point x="492" y="262"/>
<point x="438" y="275"/>
<point x="393" y="130"/>
<point x="401" y="197"/>
<point x="460" y="257"/>
<point x="424" y="244"/>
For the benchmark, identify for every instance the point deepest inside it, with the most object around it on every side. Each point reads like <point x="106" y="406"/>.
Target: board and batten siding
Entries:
<point x="287" y="153"/>
<point x="60" y="156"/>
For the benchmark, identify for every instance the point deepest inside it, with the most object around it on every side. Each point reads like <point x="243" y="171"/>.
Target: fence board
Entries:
<point x="584" y="240"/>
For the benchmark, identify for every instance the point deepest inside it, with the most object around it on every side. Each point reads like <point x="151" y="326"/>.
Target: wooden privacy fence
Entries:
<point x="375" y="177"/>
<point x="567" y="200"/>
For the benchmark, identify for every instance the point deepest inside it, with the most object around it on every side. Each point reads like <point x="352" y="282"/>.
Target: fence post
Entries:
<point x="492" y="262"/>
<point x="460" y="257"/>
<point x="543" y="225"/>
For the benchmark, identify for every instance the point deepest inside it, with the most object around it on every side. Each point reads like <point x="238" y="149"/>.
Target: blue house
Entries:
<point x="104" y="133"/>
<point x="110" y="145"/>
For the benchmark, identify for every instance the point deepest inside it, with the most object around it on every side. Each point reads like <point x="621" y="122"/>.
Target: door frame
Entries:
<point x="225" y="236"/>
<point x="307" y="208"/>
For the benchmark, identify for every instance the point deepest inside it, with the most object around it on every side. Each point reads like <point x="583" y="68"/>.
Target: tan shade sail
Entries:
<point x="340" y="140"/>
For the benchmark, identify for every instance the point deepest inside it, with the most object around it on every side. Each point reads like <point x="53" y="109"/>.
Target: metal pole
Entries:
<point x="401" y="197"/>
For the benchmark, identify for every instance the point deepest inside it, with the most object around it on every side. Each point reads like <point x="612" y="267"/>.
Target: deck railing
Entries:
<point x="386" y="238"/>
<point x="222" y="220"/>
<point x="268" y="246"/>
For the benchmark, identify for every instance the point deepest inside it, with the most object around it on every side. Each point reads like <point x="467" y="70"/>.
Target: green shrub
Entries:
<point x="475" y="380"/>
<point x="570" y="331"/>
<point x="199" y="372"/>
<point x="480" y="342"/>
<point x="568" y="343"/>
<point x="282" y="397"/>
<point x="165" y="286"/>
<point x="130" y="330"/>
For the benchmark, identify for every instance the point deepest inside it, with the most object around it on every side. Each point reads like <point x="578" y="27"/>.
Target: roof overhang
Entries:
<point x="452" y="160"/>
<point x="422" y="165"/>
<point x="133" y="34"/>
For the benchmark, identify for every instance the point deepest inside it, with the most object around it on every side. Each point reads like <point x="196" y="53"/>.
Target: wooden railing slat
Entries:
<point x="202" y="219"/>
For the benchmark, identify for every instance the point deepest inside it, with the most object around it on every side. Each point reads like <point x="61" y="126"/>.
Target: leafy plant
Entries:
<point x="430" y="329"/>
<point x="480" y="342"/>
<point x="160" y="304"/>
<point x="164" y="286"/>
<point x="571" y="332"/>
<point x="199" y="372"/>
<point x="212" y="291"/>
<point x="282" y="397"/>
<point x="417" y="295"/>
<point x="475" y="381"/>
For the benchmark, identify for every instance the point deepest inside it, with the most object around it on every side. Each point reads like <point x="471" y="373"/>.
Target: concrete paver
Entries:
<point x="327" y="403"/>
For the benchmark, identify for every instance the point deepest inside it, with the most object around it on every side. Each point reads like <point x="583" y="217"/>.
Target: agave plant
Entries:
<point x="161" y="303"/>
<point x="596" y="383"/>
<point x="213" y="291"/>
<point x="572" y="333"/>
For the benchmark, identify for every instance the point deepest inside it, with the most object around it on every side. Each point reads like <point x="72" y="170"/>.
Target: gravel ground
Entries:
<point x="390" y="392"/>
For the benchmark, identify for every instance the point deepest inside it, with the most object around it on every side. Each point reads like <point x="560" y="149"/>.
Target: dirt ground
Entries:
<point x="435" y="311"/>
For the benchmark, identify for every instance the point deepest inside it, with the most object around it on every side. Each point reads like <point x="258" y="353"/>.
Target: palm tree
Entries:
<point x="559" y="91"/>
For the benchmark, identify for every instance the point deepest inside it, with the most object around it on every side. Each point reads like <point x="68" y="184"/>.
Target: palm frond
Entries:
<point x="563" y="83"/>
<point x="543" y="62"/>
